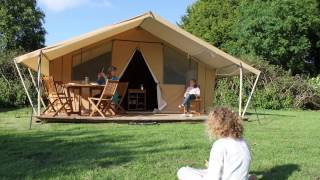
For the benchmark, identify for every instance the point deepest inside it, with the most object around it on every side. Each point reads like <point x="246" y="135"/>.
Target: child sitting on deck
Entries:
<point x="192" y="92"/>
<point x="230" y="156"/>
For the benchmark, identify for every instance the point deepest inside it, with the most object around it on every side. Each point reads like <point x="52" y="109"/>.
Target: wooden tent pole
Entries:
<point x="35" y="85"/>
<point x="39" y="88"/>
<point x="250" y="96"/>
<point x="240" y="90"/>
<point x="24" y="86"/>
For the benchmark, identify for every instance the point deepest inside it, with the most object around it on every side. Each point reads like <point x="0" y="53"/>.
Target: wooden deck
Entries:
<point x="128" y="118"/>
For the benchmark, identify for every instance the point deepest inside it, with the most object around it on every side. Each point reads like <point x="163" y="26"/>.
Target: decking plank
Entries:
<point x="161" y="118"/>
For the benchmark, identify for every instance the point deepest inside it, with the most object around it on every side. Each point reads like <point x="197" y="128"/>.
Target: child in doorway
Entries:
<point x="192" y="92"/>
<point x="230" y="156"/>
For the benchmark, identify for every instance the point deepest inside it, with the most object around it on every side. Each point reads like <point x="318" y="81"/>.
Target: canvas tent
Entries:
<point x="171" y="54"/>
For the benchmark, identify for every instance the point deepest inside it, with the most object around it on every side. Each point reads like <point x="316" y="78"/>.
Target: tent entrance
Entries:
<point x="138" y="73"/>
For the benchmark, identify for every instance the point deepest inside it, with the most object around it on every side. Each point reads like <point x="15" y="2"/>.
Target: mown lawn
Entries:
<point x="285" y="146"/>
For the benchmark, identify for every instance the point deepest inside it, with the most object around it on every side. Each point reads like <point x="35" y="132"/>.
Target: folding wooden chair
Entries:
<point x="57" y="99"/>
<point x="122" y="89"/>
<point x="103" y="104"/>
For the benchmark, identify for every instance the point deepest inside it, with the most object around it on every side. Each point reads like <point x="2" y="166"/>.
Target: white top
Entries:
<point x="192" y="90"/>
<point x="229" y="159"/>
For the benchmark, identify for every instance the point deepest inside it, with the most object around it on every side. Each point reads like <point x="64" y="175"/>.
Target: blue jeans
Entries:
<point x="187" y="100"/>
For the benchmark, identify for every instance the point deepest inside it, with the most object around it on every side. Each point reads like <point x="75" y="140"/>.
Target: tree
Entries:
<point x="21" y="25"/>
<point x="283" y="32"/>
<point x="212" y="20"/>
<point x="21" y="30"/>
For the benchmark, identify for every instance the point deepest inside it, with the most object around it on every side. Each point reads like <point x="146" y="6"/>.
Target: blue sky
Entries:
<point x="68" y="18"/>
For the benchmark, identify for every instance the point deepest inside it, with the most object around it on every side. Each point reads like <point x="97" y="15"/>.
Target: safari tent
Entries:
<point x="146" y="50"/>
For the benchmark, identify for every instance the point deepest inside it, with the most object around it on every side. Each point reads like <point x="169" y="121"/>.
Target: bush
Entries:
<point x="12" y="94"/>
<point x="11" y="90"/>
<point x="315" y="83"/>
<point x="276" y="89"/>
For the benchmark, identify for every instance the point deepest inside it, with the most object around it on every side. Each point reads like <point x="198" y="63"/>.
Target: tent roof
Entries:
<point x="154" y="24"/>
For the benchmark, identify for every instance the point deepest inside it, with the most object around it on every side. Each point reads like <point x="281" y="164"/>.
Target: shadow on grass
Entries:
<point x="277" y="172"/>
<point x="268" y="114"/>
<point x="10" y="109"/>
<point x="47" y="155"/>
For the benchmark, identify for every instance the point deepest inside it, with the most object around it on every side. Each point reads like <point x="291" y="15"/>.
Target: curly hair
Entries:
<point x="223" y="122"/>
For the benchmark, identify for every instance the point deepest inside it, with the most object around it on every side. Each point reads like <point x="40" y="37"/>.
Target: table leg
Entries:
<point x="90" y="95"/>
<point x="69" y="96"/>
<point x="80" y="100"/>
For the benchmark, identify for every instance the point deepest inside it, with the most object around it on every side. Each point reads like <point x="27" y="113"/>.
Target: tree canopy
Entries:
<point x="21" y="30"/>
<point x="283" y="32"/>
<point x="21" y="25"/>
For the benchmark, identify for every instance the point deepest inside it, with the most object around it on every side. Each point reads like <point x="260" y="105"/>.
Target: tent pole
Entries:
<point x="24" y="86"/>
<point x="39" y="88"/>
<point x="250" y="96"/>
<point x="240" y="90"/>
<point x="35" y="85"/>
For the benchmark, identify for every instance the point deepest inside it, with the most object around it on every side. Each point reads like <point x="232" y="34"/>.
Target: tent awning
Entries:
<point x="172" y="34"/>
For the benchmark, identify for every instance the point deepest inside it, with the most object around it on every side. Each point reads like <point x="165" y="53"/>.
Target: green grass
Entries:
<point x="285" y="146"/>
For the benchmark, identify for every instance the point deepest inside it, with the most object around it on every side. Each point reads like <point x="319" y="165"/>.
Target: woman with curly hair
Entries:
<point x="230" y="156"/>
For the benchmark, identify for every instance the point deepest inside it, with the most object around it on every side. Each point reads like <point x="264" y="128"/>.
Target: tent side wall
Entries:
<point x="123" y="46"/>
<point x="206" y="80"/>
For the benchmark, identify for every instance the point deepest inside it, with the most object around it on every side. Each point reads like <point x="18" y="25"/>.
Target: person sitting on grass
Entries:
<point x="192" y="92"/>
<point x="230" y="156"/>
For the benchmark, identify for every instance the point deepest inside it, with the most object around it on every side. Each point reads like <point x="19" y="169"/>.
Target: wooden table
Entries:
<point x="77" y="86"/>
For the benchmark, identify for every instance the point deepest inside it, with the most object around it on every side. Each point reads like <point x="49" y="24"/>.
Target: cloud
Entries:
<point x="61" y="5"/>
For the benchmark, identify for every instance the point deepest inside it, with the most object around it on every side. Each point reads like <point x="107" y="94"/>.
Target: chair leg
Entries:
<point x="114" y="110"/>
<point x="107" y="106"/>
<point x="56" y="113"/>
<point x="121" y="109"/>
<point x="50" y="105"/>
<point x="47" y="108"/>
<point x="95" y="108"/>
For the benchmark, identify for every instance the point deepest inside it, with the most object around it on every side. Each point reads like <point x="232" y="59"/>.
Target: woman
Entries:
<point x="101" y="80"/>
<point x="192" y="92"/>
<point x="230" y="156"/>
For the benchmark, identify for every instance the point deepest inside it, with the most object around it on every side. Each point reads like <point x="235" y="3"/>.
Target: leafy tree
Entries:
<point x="211" y="20"/>
<point x="21" y="25"/>
<point x="283" y="32"/>
<point x="21" y="30"/>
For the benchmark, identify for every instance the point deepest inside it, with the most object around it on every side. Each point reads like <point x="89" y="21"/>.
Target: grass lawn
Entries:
<point x="285" y="146"/>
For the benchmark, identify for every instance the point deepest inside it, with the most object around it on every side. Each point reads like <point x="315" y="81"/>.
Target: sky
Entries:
<point x="68" y="18"/>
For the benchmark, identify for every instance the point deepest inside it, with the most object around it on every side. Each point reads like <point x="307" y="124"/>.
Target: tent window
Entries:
<point x="178" y="68"/>
<point x="90" y="62"/>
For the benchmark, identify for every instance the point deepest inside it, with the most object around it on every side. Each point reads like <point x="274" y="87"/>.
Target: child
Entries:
<point x="192" y="92"/>
<point x="112" y="71"/>
<point x="230" y="156"/>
